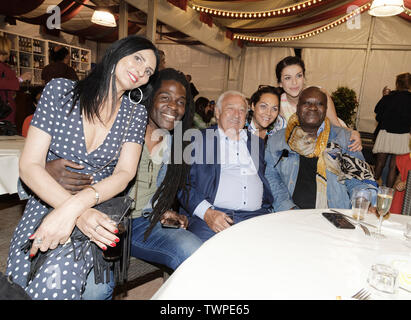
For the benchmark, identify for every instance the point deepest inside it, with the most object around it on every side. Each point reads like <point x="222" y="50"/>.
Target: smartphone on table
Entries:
<point x="338" y="220"/>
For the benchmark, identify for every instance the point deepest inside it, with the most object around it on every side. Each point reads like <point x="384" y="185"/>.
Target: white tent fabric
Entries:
<point x="392" y="31"/>
<point x="370" y="52"/>
<point x="332" y="68"/>
<point x="259" y="67"/>
<point x="383" y="67"/>
<point x="206" y="66"/>
<point x="364" y="54"/>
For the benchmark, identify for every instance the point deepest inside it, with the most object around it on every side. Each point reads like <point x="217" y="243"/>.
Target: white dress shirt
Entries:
<point x="240" y="187"/>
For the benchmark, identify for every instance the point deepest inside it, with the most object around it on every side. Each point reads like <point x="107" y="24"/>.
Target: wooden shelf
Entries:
<point x="34" y="52"/>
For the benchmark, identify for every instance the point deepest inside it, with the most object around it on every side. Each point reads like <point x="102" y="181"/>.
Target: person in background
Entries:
<point x="213" y="120"/>
<point x="9" y="82"/>
<point x="59" y="67"/>
<point x="193" y="88"/>
<point x="162" y="64"/>
<point x="306" y="161"/>
<point x="35" y="94"/>
<point x="394" y="114"/>
<point x="290" y="73"/>
<point x="383" y="179"/>
<point x="386" y="91"/>
<point x="204" y="112"/>
<point x="403" y="163"/>
<point x="263" y="118"/>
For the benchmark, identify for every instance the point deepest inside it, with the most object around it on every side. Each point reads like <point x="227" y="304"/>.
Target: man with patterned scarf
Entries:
<point x="308" y="163"/>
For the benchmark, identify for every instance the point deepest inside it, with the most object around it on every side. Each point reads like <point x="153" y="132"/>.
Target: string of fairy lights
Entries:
<point x="307" y="34"/>
<point x="257" y="14"/>
<point x="283" y="11"/>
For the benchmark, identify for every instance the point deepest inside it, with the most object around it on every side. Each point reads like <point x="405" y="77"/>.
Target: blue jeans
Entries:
<point x="165" y="246"/>
<point x="101" y="291"/>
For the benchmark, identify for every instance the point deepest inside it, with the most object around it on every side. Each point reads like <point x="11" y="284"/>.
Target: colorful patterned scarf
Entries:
<point x="308" y="146"/>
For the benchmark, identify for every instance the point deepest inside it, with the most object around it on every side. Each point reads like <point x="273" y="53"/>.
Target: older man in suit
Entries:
<point x="227" y="182"/>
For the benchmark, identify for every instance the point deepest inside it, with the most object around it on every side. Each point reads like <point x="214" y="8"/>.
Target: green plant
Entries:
<point x="346" y="104"/>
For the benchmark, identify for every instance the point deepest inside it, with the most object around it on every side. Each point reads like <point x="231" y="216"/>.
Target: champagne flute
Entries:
<point x="384" y="199"/>
<point x="360" y="200"/>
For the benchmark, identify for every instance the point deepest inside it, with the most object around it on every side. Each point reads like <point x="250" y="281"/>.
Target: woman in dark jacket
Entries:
<point x="394" y="116"/>
<point x="9" y="82"/>
<point x="60" y="67"/>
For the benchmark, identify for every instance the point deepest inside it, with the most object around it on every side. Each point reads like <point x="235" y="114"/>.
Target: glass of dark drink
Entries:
<point x="114" y="253"/>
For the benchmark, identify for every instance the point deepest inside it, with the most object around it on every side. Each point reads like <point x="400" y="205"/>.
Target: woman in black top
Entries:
<point x="394" y="115"/>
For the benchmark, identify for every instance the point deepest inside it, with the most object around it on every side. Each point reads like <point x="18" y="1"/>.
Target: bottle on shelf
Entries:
<point x="13" y="59"/>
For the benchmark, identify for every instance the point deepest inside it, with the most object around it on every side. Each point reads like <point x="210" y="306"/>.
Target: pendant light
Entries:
<point x="386" y="8"/>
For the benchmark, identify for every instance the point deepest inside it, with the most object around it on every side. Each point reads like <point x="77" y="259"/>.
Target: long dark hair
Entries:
<point x="94" y="89"/>
<point x="177" y="173"/>
<point x="288" y="61"/>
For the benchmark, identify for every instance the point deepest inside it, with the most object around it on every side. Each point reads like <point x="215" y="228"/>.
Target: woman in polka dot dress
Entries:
<point x="96" y="123"/>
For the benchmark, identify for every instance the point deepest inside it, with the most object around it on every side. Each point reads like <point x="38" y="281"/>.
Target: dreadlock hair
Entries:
<point x="177" y="173"/>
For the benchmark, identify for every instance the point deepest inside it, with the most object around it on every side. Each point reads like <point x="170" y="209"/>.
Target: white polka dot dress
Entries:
<point x="61" y="277"/>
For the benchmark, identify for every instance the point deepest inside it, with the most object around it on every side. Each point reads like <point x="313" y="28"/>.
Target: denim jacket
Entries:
<point x="282" y="177"/>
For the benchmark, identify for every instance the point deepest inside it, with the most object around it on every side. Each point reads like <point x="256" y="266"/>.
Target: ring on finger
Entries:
<point x="95" y="229"/>
<point x="38" y="241"/>
<point x="54" y="245"/>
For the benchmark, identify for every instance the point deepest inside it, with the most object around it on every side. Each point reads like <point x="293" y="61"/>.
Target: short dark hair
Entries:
<point x="262" y="89"/>
<point x="315" y="89"/>
<point x="277" y="91"/>
<point x="200" y="104"/>
<point x="288" y="61"/>
<point x="58" y="54"/>
<point x="403" y="81"/>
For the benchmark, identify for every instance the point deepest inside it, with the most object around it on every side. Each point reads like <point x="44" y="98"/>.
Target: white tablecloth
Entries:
<point x="287" y="255"/>
<point x="10" y="150"/>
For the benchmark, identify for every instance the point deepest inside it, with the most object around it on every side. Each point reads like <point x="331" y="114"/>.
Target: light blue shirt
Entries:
<point x="240" y="187"/>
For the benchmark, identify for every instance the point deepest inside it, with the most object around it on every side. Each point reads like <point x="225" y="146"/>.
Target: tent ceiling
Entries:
<point x="75" y="18"/>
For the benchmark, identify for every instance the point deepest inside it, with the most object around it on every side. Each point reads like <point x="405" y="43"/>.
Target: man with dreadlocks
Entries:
<point x="158" y="179"/>
<point x="227" y="182"/>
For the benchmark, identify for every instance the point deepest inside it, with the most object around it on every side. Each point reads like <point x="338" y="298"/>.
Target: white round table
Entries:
<point x="10" y="150"/>
<point x="287" y="255"/>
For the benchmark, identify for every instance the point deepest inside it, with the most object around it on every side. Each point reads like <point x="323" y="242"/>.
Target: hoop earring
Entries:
<point x="131" y="100"/>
